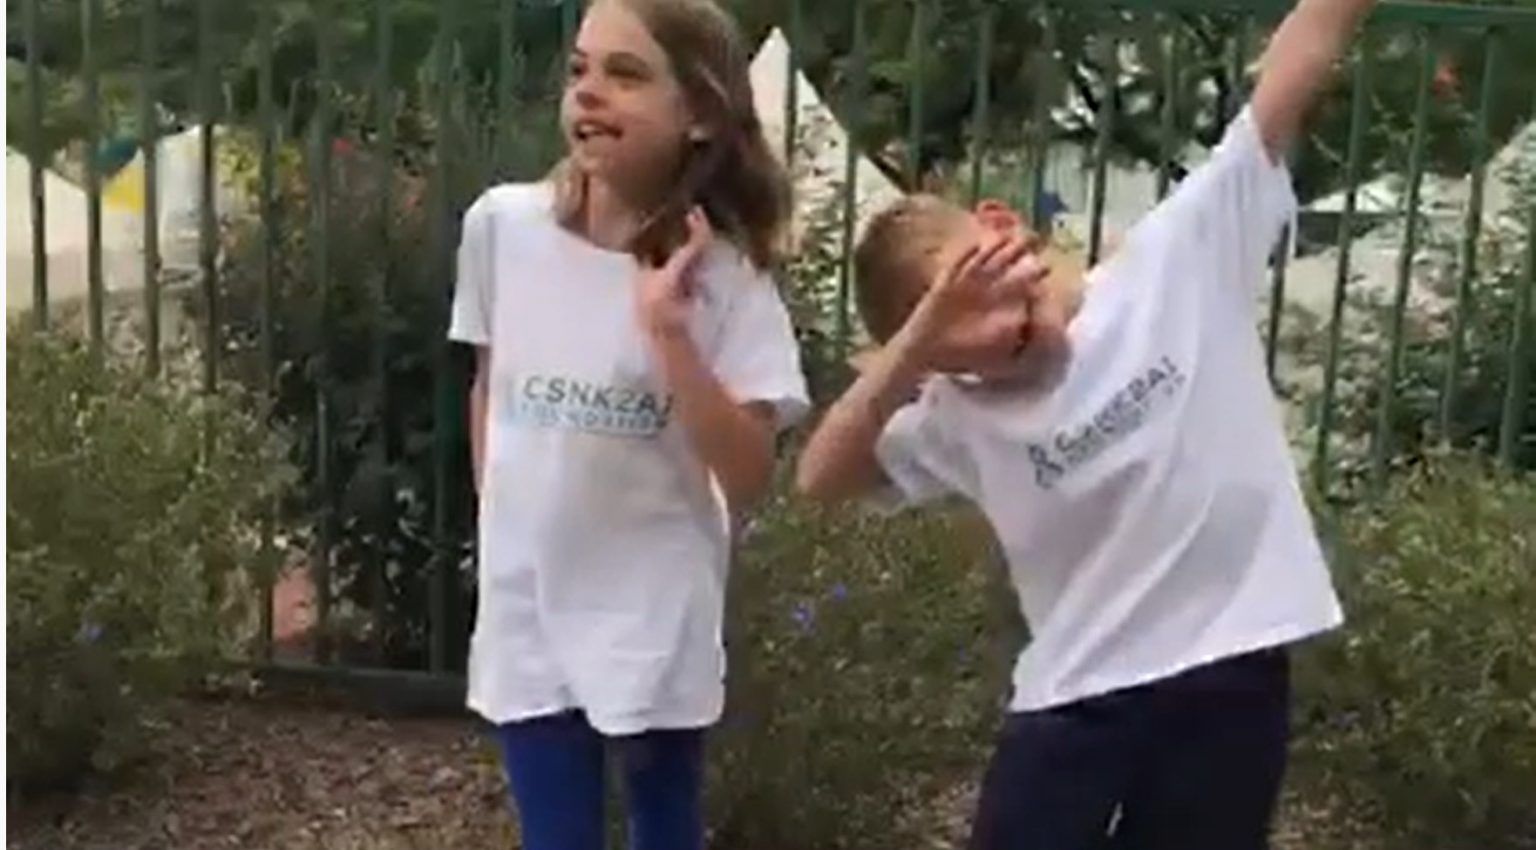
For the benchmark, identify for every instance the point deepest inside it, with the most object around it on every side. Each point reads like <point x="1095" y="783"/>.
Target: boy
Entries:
<point x="1118" y="431"/>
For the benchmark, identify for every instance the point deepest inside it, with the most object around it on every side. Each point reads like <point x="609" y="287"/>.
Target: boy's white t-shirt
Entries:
<point x="604" y="541"/>
<point x="1147" y="504"/>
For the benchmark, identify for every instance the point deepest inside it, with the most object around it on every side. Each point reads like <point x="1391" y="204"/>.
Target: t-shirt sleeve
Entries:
<point x="920" y="458"/>
<point x="474" y="285"/>
<point x="1239" y="202"/>
<point x="756" y="355"/>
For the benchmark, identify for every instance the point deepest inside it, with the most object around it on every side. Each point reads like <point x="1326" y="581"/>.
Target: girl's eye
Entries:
<point x="626" y="72"/>
<point x="576" y="69"/>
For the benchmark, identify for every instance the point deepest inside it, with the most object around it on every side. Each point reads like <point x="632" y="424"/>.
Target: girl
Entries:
<point x="632" y="371"/>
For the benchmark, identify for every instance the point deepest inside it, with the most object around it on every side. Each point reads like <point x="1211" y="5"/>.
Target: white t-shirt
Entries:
<point x="1147" y="504"/>
<point x="604" y="541"/>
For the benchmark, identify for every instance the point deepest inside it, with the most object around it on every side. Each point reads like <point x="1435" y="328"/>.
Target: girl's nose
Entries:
<point x="586" y="94"/>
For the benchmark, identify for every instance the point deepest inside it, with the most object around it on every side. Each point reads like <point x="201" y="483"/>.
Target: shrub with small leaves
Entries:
<point x="869" y="664"/>
<point x="132" y="549"/>
<point x="1421" y="713"/>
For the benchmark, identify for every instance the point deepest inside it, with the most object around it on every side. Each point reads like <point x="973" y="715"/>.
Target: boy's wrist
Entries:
<point x="893" y="376"/>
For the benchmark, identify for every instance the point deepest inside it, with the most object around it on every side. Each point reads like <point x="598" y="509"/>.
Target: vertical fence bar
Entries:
<point x="855" y="120"/>
<point x="1360" y="99"/>
<point x="1512" y="423"/>
<point x="1040" y="118"/>
<point x="90" y="20"/>
<point x="320" y="222"/>
<point x="1106" y="129"/>
<point x="917" y="61"/>
<point x="208" y="214"/>
<point x="1237" y="68"/>
<point x="36" y="161"/>
<point x="1381" y="443"/>
<point x="506" y="44"/>
<point x="792" y="87"/>
<point x="383" y="455"/>
<point x="1474" y="225"/>
<point x="267" y="118"/>
<point x="149" y="143"/>
<point x="570" y="19"/>
<point x="1282" y="260"/>
<point x="981" y="117"/>
<point x="1168" y="115"/>
<point x="445" y="398"/>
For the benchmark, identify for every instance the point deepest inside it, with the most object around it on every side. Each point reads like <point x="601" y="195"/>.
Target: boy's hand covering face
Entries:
<point x="975" y="316"/>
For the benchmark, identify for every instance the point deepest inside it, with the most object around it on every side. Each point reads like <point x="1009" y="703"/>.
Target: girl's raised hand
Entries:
<point x="664" y="293"/>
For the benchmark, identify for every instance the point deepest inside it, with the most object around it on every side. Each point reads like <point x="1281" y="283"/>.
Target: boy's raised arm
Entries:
<point x="839" y="461"/>
<point x="1297" y="64"/>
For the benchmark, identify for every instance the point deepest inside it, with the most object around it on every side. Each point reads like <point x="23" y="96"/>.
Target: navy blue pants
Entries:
<point x="1193" y="762"/>
<point x="556" y="767"/>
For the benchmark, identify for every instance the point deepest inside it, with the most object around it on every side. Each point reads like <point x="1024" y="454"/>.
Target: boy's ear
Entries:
<point x="998" y="216"/>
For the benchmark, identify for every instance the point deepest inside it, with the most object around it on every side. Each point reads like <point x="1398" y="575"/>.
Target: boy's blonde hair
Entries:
<point x="898" y="255"/>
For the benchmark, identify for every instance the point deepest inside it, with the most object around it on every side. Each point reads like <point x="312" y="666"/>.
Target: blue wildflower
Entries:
<point x="804" y="616"/>
<point x="839" y="592"/>
<point x="89" y="632"/>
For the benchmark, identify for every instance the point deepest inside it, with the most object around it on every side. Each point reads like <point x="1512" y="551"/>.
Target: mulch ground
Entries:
<point x="263" y="773"/>
<point x="276" y="772"/>
<point x="269" y="772"/>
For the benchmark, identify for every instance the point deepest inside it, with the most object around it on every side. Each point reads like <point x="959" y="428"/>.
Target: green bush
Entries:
<point x="131" y="550"/>
<point x="1421" y="713"/>
<point x="869" y="660"/>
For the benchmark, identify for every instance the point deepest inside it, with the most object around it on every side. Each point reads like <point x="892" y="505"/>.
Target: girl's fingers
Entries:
<point x="700" y="235"/>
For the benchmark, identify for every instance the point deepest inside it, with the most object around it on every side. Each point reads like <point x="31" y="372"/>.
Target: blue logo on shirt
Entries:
<point x="1121" y="416"/>
<point x="545" y="401"/>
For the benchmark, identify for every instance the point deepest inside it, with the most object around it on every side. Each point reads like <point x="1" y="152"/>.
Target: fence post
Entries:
<point x="437" y="590"/>
<point x="149" y="131"/>
<point x="917" y="55"/>
<point x="36" y="163"/>
<point x="268" y="214"/>
<point x="1381" y="448"/>
<point x="320" y="221"/>
<point x="208" y="213"/>
<point x="381" y="450"/>
<point x="1469" y="247"/>
<point x="1106" y="129"/>
<point x="90" y="15"/>
<point x="1512" y="424"/>
<point x="981" y="120"/>
<point x="1358" y="116"/>
<point x="855" y="123"/>
<point x="792" y="90"/>
<point x="1168" y="114"/>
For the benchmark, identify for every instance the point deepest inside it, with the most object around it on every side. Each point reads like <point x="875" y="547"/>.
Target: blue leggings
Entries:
<point x="556" y="767"/>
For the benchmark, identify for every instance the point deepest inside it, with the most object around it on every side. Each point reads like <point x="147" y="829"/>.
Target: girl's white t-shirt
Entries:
<point x="1148" y="504"/>
<point x="604" y="541"/>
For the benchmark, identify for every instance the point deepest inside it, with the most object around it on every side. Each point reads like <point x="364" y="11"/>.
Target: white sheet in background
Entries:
<point x="179" y="182"/>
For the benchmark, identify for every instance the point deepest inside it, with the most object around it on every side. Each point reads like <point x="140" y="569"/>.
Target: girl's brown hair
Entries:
<point x="732" y="174"/>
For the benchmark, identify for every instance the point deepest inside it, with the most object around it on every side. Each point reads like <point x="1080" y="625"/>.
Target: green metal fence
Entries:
<point x="848" y="89"/>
